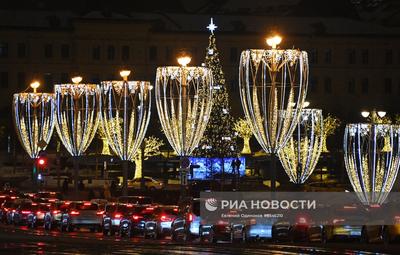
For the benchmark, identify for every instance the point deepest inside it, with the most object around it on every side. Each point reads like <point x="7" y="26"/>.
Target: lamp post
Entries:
<point x="125" y="108"/>
<point x="184" y="101"/>
<point x="34" y="122"/>
<point x="76" y="118"/>
<point x="301" y="153"/>
<point x="273" y="84"/>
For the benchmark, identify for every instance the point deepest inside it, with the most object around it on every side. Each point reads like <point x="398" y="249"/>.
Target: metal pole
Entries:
<point x="125" y="177"/>
<point x="273" y="172"/>
<point x="34" y="175"/>
<point x="76" y="176"/>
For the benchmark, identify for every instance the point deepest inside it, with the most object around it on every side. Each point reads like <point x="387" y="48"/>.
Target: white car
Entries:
<point x="149" y="183"/>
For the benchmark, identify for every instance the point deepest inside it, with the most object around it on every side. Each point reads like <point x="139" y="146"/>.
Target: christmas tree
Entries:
<point x="219" y="138"/>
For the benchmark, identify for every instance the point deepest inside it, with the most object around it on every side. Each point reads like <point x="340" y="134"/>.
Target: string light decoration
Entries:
<point x="184" y="101"/>
<point x="34" y="119"/>
<point x="219" y="139"/>
<point x="125" y="108"/>
<point x="330" y="124"/>
<point x="152" y="146"/>
<point x="244" y="131"/>
<point x="272" y="82"/>
<point x="76" y="118"/>
<point x="300" y="155"/>
<point x="372" y="170"/>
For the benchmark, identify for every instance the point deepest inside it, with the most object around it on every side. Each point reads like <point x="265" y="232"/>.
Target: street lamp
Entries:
<point x="273" y="84"/>
<point x="76" y="118"/>
<point x="300" y="155"/>
<point x="374" y="116"/>
<point x="34" y="122"/>
<point x="183" y="100"/>
<point x="125" y="108"/>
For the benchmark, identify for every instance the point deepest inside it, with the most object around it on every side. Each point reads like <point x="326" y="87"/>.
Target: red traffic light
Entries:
<point x="41" y="162"/>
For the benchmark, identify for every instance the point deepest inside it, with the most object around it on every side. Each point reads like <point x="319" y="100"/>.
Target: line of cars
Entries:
<point x="137" y="215"/>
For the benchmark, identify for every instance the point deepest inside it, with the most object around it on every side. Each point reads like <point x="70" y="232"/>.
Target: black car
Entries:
<point x="52" y="217"/>
<point x="113" y="215"/>
<point x="139" y="221"/>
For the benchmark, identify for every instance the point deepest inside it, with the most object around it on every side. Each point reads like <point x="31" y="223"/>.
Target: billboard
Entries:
<point x="210" y="168"/>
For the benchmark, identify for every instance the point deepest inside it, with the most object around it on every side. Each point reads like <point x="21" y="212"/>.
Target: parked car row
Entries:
<point x="130" y="216"/>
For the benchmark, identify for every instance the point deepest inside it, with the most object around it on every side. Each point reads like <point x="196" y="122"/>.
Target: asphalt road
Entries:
<point x="25" y="241"/>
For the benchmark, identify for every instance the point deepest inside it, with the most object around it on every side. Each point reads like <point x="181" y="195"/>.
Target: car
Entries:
<point x="113" y="214"/>
<point x="52" y="217"/>
<point x="149" y="183"/>
<point x="12" y="207"/>
<point x="160" y="224"/>
<point x="23" y="212"/>
<point x="47" y="196"/>
<point x="258" y="230"/>
<point x="138" y="222"/>
<point x="188" y="223"/>
<point x="82" y="214"/>
<point x="223" y="230"/>
<point x="37" y="214"/>
<point x="135" y="200"/>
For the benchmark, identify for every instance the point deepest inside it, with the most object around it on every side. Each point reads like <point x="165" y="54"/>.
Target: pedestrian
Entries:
<point x="65" y="186"/>
<point x="237" y="164"/>
<point x="107" y="194"/>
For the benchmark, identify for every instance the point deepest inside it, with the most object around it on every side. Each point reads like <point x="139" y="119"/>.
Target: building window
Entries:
<point x="313" y="56"/>
<point x="3" y="79"/>
<point x="233" y="56"/>
<point x="48" y="80"/>
<point x="96" y="53"/>
<point x="48" y="51"/>
<point x="328" y="56"/>
<point x="21" y="80"/>
<point x="389" y="57"/>
<point x="125" y="52"/>
<point x="364" y="86"/>
<point x="110" y="52"/>
<point x="153" y="53"/>
<point x="313" y="85"/>
<point x="351" y="56"/>
<point x="21" y="50"/>
<point x="3" y="49"/>
<point x="388" y="86"/>
<point x="65" y="51"/>
<point x="168" y="54"/>
<point x="328" y="85"/>
<point x="351" y="86"/>
<point x="64" y="78"/>
<point x="365" y="56"/>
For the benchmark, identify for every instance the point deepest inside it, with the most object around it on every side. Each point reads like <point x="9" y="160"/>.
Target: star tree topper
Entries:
<point x="212" y="26"/>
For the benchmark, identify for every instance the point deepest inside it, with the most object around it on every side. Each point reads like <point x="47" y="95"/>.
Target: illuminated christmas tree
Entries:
<point x="219" y="139"/>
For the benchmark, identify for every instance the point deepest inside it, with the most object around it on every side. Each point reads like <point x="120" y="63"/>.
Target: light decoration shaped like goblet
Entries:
<point x="272" y="82"/>
<point x="125" y="108"/>
<point x="184" y="101"/>
<point x="300" y="155"/>
<point x="372" y="159"/>
<point x="34" y="121"/>
<point x="76" y="118"/>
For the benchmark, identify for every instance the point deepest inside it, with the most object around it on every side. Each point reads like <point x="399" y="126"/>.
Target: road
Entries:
<point x="25" y="241"/>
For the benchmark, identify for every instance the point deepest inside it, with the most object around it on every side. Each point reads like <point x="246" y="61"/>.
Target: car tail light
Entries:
<point x="117" y="216"/>
<point x="39" y="212"/>
<point x="165" y="218"/>
<point x="67" y="203"/>
<point x="335" y="221"/>
<point x="25" y="212"/>
<point x="129" y="205"/>
<point x="34" y="204"/>
<point x="302" y="220"/>
<point x="52" y="200"/>
<point x="13" y="197"/>
<point x="87" y="203"/>
<point x="136" y="217"/>
<point x="56" y="211"/>
<point x="175" y="209"/>
<point x="74" y="213"/>
<point x="100" y="213"/>
<point x="149" y="208"/>
<point x="190" y="217"/>
<point x="6" y="209"/>
<point x="2" y="196"/>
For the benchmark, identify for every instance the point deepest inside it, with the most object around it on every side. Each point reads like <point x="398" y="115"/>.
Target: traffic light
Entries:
<point x="41" y="161"/>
